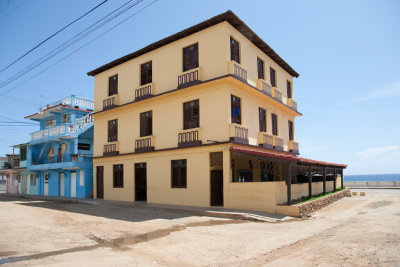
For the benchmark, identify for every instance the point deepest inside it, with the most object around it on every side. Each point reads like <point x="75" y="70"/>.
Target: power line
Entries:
<point x="12" y="10"/>
<point x="51" y="36"/>
<point x="70" y="42"/>
<point x="70" y="54"/>
<point x="21" y="100"/>
<point x="20" y="122"/>
<point x="6" y="6"/>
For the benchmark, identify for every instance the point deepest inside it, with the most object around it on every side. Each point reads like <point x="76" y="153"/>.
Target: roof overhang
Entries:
<point x="228" y="16"/>
<point x="51" y="110"/>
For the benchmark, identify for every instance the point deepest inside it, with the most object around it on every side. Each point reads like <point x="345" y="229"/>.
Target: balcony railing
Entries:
<point x="144" y="144"/>
<point x="84" y="122"/>
<point x="278" y="143"/>
<point x="277" y="94"/>
<point x="72" y="101"/>
<point x="190" y="137"/>
<point x="238" y="71"/>
<point x="189" y="78"/>
<point x="111" y="149"/>
<point x="292" y="104"/>
<point x="239" y="133"/>
<point x="294" y="147"/>
<point x="63" y="129"/>
<point x="266" y="140"/>
<point x="110" y="102"/>
<point x="264" y="87"/>
<point x="144" y="92"/>
<point x="64" y="157"/>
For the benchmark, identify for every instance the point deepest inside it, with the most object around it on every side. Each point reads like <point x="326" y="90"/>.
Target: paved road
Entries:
<point x="356" y="231"/>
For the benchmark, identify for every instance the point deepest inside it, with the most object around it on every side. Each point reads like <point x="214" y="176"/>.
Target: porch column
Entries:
<point x="309" y="182"/>
<point x="341" y="177"/>
<point x="289" y="182"/>
<point x="334" y="180"/>
<point x="324" y="176"/>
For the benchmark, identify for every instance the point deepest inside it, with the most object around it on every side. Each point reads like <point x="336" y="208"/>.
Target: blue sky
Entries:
<point x="347" y="54"/>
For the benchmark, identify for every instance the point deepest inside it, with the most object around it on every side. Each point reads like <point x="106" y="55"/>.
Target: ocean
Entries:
<point x="372" y="177"/>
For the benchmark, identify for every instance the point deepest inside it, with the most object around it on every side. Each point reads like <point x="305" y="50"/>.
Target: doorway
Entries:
<point x="73" y="184"/>
<point x="99" y="182"/>
<point x="140" y="182"/>
<point x="46" y="184"/>
<point x="62" y="184"/>
<point x="217" y="187"/>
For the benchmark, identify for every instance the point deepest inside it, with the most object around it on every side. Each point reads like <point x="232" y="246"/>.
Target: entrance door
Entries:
<point x="46" y="184"/>
<point x="217" y="188"/>
<point x="73" y="184"/>
<point x="100" y="182"/>
<point x="62" y="184"/>
<point x="140" y="182"/>
<point x="28" y="184"/>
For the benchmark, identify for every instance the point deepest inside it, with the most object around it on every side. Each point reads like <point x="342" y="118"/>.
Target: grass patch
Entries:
<point x="307" y="199"/>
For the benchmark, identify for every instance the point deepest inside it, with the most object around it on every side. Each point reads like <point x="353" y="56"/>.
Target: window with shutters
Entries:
<point x="289" y="89"/>
<point x="191" y="114"/>
<point x="22" y="153"/>
<point x="178" y="173"/>
<point x="290" y="130"/>
<point x="112" y="130"/>
<point x="190" y="57"/>
<point x="146" y="123"/>
<point x="118" y="176"/>
<point x="235" y="56"/>
<point x="260" y="68"/>
<point x="274" y="124"/>
<point x="65" y="118"/>
<point x="262" y="120"/>
<point x="83" y="146"/>
<point x="235" y="110"/>
<point x="272" y="77"/>
<point x="146" y="73"/>
<point x="113" y="85"/>
<point x="50" y="123"/>
<point x="33" y="178"/>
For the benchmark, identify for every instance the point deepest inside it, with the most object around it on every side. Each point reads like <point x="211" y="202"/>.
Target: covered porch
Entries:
<point x="266" y="180"/>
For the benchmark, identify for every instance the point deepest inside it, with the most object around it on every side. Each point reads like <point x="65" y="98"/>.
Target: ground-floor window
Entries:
<point x="118" y="176"/>
<point x="178" y="173"/>
<point x="33" y="179"/>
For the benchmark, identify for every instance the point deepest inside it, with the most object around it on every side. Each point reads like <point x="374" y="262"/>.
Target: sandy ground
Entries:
<point x="356" y="231"/>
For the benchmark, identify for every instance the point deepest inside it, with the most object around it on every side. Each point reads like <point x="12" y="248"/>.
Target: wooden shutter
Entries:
<point x="272" y="77"/>
<point x="112" y="130"/>
<point x="235" y="51"/>
<point x="290" y="130"/>
<point x="235" y="109"/>
<point x="289" y="89"/>
<point x="146" y="121"/>
<point x="191" y="114"/>
<point x="274" y="124"/>
<point x="113" y="85"/>
<point x="190" y="57"/>
<point x="262" y="120"/>
<point x="260" y="68"/>
<point x="146" y="73"/>
<point x="178" y="173"/>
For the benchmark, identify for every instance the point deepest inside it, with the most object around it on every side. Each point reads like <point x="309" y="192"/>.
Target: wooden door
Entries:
<point x="73" y="184"/>
<point x="140" y="182"/>
<point x="217" y="188"/>
<point x="62" y="184"/>
<point x="99" y="182"/>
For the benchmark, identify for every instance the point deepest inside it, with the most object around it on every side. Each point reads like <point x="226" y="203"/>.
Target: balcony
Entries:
<point x="190" y="137"/>
<point x="111" y="149"/>
<point x="266" y="140"/>
<point x="292" y="104"/>
<point x="111" y="102"/>
<point x="189" y="78"/>
<point x="64" y="129"/>
<point x="63" y="161"/>
<point x="264" y="87"/>
<point x="237" y="70"/>
<point x="278" y="143"/>
<point x="239" y="133"/>
<point x="294" y="147"/>
<point x="144" y="144"/>
<point x="144" y="92"/>
<point x="276" y="94"/>
<point x="72" y="101"/>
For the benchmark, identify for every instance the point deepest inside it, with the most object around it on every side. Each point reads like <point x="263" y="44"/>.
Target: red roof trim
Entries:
<point x="285" y="157"/>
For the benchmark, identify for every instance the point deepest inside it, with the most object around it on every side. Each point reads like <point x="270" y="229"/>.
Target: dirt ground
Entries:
<point x="356" y="231"/>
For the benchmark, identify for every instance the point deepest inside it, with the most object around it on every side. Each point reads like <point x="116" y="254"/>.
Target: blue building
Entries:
<point x="60" y="153"/>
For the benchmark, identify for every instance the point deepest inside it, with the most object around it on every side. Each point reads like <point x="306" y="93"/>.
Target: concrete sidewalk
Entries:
<point x="197" y="211"/>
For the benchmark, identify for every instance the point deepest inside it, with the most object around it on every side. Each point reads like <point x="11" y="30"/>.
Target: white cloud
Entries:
<point x="379" y="151"/>
<point x="389" y="90"/>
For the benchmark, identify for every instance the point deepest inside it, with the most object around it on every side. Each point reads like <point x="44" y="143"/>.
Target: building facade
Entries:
<point x="59" y="155"/>
<point x="10" y="172"/>
<point x="23" y="174"/>
<point x="205" y="117"/>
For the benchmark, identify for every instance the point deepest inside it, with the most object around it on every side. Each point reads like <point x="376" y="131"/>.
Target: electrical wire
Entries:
<point x="100" y="23"/>
<point x="23" y="2"/>
<point x="70" y="54"/>
<point x="51" y="36"/>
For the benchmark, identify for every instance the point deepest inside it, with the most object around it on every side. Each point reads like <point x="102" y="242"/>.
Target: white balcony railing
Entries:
<point x="53" y="131"/>
<point x="266" y="140"/>
<point x="278" y="143"/>
<point x="294" y="146"/>
<point x="237" y="70"/>
<point x="72" y="101"/>
<point x="264" y="87"/>
<point x="277" y="94"/>
<point x="292" y="104"/>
